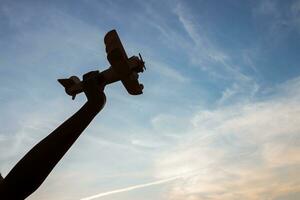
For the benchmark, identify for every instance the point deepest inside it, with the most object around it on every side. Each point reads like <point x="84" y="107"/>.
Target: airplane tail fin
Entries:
<point x="65" y="82"/>
<point x="70" y="85"/>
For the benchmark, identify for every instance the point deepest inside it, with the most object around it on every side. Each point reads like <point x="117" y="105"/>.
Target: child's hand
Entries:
<point x="94" y="90"/>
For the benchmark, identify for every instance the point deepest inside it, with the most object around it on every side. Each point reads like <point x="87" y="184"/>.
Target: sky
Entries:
<point x="220" y="113"/>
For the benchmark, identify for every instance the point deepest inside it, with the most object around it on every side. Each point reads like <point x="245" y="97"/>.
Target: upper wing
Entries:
<point x="112" y="42"/>
<point x="116" y="54"/>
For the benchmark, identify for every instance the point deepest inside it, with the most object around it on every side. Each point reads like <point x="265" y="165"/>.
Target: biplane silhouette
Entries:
<point x="122" y="69"/>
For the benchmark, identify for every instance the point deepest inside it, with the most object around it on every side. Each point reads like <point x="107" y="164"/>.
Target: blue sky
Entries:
<point x="220" y="106"/>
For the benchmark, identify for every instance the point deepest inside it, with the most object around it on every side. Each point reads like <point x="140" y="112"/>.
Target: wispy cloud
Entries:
<point x="278" y="19"/>
<point x="127" y="189"/>
<point x="202" y="51"/>
<point x="210" y="57"/>
<point x="167" y="71"/>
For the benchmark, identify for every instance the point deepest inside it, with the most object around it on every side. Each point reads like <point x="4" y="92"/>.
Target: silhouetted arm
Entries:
<point x="30" y="172"/>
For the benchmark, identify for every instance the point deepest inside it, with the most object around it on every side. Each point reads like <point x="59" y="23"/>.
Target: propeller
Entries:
<point x="142" y="61"/>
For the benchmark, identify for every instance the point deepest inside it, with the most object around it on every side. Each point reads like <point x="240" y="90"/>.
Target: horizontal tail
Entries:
<point x="72" y="85"/>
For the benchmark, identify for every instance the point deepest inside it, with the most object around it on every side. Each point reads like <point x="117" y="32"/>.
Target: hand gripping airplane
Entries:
<point x="122" y="69"/>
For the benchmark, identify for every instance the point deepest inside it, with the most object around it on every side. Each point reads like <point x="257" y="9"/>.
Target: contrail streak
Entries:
<point x="132" y="188"/>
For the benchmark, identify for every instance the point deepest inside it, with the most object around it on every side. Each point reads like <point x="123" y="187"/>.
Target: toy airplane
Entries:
<point x="122" y="69"/>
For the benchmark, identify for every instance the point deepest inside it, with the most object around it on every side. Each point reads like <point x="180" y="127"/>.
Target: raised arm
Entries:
<point x="30" y="172"/>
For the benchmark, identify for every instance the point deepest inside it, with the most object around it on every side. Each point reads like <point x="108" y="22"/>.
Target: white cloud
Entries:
<point x="244" y="151"/>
